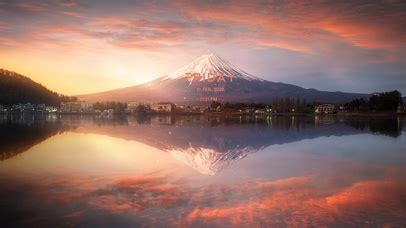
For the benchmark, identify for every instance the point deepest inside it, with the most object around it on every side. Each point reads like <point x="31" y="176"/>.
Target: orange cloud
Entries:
<point x="298" y="202"/>
<point x="137" y="193"/>
<point x="115" y="21"/>
<point x="294" y="201"/>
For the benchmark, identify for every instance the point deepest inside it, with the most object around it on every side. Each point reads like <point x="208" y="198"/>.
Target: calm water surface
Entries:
<point x="198" y="171"/>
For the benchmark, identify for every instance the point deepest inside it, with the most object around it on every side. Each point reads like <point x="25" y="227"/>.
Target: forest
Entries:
<point x="386" y="101"/>
<point x="16" y="88"/>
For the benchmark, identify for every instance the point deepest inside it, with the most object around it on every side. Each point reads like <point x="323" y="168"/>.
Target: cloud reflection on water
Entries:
<point x="292" y="172"/>
<point x="155" y="199"/>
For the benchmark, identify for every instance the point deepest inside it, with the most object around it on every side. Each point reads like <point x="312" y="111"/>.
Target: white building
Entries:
<point x="325" y="109"/>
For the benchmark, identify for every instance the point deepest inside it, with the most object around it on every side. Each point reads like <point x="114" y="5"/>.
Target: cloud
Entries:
<point x="155" y="199"/>
<point x="73" y="14"/>
<point x="297" y="26"/>
<point x="32" y="6"/>
<point x="4" y="26"/>
<point x="68" y="3"/>
<point x="298" y="23"/>
<point x="298" y="201"/>
<point x="331" y="38"/>
<point x="8" y="42"/>
<point x="136" y="194"/>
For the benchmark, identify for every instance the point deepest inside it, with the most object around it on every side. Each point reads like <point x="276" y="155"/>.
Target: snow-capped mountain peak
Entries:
<point x="209" y="65"/>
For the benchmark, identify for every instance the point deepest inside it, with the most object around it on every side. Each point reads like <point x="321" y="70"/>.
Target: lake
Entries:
<point x="162" y="171"/>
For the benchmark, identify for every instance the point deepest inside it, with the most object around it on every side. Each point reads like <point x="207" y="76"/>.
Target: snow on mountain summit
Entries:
<point x="210" y="64"/>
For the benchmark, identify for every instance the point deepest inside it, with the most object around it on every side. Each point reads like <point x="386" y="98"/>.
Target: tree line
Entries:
<point x="279" y="105"/>
<point x="386" y="101"/>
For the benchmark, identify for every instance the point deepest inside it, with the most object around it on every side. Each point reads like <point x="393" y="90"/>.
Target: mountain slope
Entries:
<point x="16" y="88"/>
<point x="210" y="78"/>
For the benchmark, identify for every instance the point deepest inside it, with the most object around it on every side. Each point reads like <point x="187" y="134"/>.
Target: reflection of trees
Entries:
<point x="385" y="126"/>
<point x="218" y="133"/>
<point x="209" y="143"/>
<point x="20" y="133"/>
<point x="390" y="126"/>
<point x="94" y="119"/>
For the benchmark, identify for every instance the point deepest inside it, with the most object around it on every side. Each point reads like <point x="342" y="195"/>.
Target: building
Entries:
<point x="50" y="109"/>
<point x="107" y="113"/>
<point x="86" y="107"/>
<point x="131" y="107"/>
<point x="28" y="107"/>
<point x="40" y="108"/>
<point x="325" y="109"/>
<point x="77" y="106"/>
<point x="71" y="107"/>
<point x="401" y="109"/>
<point x="3" y="109"/>
<point x="163" y="107"/>
<point x="260" y="111"/>
<point x="198" y="109"/>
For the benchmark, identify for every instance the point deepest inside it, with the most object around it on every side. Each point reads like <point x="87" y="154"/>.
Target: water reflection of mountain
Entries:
<point x="21" y="132"/>
<point x="205" y="143"/>
<point x="209" y="144"/>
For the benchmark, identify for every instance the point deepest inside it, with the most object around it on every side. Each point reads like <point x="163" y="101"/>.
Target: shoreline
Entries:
<point x="346" y="114"/>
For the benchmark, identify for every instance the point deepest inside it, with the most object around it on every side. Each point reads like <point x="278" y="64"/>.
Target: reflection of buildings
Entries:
<point x="324" y="119"/>
<point x="165" y="119"/>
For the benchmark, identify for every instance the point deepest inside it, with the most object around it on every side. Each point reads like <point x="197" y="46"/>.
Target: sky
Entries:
<point x="84" y="46"/>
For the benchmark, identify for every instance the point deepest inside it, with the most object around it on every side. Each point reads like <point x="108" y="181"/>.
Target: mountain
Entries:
<point x="209" y="78"/>
<point x="16" y="88"/>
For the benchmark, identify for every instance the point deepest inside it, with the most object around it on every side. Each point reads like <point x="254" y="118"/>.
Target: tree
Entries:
<point x="386" y="101"/>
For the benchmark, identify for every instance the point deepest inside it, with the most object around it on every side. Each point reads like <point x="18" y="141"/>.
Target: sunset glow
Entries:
<point x="188" y="113"/>
<point x="354" y="47"/>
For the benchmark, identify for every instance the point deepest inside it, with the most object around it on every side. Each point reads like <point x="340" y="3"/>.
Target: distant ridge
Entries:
<point x="209" y="78"/>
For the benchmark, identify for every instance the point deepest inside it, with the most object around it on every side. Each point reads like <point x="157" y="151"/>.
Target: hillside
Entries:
<point x="16" y="88"/>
